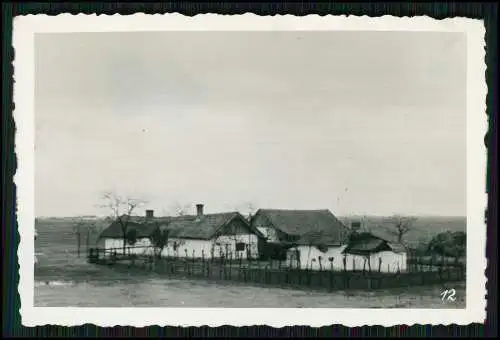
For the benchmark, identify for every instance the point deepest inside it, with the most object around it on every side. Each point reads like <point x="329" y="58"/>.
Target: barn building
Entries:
<point x="286" y="229"/>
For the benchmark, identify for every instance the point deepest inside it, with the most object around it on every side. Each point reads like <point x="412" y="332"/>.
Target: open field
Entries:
<point x="63" y="279"/>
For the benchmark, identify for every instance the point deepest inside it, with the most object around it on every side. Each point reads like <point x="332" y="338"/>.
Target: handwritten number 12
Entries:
<point x="448" y="295"/>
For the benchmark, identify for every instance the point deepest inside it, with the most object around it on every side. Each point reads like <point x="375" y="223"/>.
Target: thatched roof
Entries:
<point x="312" y="226"/>
<point x="204" y="227"/>
<point x="115" y="230"/>
<point x="189" y="227"/>
<point x="366" y="243"/>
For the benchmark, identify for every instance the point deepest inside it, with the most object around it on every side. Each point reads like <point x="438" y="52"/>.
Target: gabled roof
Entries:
<point x="312" y="226"/>
<point x="115" y="229"/>
<point x="398" y="247"/>
<point x="205" y="227"/>
<point x="188" y="226"/>
<point x="365" y="243"/>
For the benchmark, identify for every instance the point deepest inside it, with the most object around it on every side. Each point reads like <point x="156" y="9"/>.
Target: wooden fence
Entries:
<point x="276" y="273"/>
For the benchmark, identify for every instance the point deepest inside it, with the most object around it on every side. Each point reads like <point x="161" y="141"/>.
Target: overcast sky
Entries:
<point x="356" y="122"/>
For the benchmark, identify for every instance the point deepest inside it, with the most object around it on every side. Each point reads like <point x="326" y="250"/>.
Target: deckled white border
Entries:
<point x="23" y="41"/>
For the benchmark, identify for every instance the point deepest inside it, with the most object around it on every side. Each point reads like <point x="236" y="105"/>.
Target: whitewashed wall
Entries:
<point x="309" y="258"/>
<point x="187" y="246"/>
<point x="142" y="246"/>
<point x="307" y="254"/>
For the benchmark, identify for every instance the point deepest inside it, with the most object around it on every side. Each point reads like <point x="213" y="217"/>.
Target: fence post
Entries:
<point x="331" y="273"/>
<point x="210" y="268"/>
<point x="221" y="268"/>
<point x="193" y="264"/>
<point x="239" y="268"/>
<point x="202" y="262"/>
<point x="230" y="264"/>
<point x="346" y="280"/>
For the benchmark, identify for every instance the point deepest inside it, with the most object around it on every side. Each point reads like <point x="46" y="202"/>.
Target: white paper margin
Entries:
<point x="24" y="29"/>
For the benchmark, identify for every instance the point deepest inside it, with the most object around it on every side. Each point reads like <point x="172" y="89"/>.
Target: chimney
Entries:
<point x="150" y="213"/>
<point x="199" y="210"/>
<point x="355" y="226"/>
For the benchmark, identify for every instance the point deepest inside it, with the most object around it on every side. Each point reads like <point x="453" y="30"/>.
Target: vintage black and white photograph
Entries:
<point x="256" y="169"/>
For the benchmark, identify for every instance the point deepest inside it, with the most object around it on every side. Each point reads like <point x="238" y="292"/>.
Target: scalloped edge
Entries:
<point x="24" y="28"/>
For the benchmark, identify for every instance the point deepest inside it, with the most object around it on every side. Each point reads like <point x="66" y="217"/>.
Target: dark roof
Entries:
<point x="205" y="227"/>
<point x="188" y="226"/>
<point x="397" y="247"/>
<point x="365" y="243"/>
<point x="115" y="229"/>
<point x="312" y="226"/>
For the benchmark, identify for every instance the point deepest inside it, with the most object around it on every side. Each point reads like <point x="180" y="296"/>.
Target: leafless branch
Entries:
<point x="400" y="226"/>
<point x="121" y="209"/>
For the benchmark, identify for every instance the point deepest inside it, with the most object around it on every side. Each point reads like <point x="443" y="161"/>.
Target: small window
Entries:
<point x="240" y="246"/>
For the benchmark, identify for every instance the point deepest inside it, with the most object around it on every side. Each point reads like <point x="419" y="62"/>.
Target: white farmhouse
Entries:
<point x="361" y="251"/>
<point x="201" y="235"/>
<point x="211" y="236"/>
<point x="113" y="240"/>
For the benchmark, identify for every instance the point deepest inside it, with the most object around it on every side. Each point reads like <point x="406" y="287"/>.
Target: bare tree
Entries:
<point x="121" y="210"/>
<point x="400" y="226"/>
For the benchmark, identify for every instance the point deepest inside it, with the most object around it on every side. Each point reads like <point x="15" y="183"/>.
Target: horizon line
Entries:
<point x="357" y="215"/>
